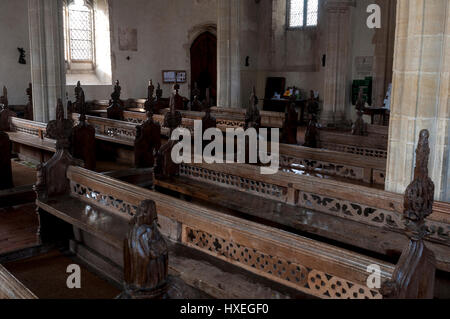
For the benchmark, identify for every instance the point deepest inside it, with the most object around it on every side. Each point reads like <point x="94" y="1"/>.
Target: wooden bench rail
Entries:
<point x="356" y="167"/>
<point x="11" y="288"/>
<point x="28" y="127"/>
<point x="347" y="143"/>
<point x="362" y="204"/>
<point x="370" y="170"/>
<point x="30" y="140"/>
<point x="301" y="260"/>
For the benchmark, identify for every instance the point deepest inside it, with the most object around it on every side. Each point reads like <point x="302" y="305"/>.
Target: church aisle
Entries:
<point x="18" y="229"/>
<point x="46" y="277"/>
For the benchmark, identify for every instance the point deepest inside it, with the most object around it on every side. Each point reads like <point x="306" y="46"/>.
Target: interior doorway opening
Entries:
<point x="204" y="65"/>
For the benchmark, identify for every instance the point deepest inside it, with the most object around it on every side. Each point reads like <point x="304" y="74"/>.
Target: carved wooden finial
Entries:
<point x="115" y="96"/>
<point x="419" y="196"/>
<point x="150" y="90"/>
<point x="159" y="92"/>
<point x="83" y="135"/>
<point x="196" y="91"/>
<point x="51" y="175"/>
<point x="147" y="142"/>
<point x="60" y="129"/>
<point x="30" y="93"/>
<point x="146" y="256"/>
<point x="253" y="98"/>
<point x="176" y="86"/>
<point x="115" y="110"/>
<point x="361" y="102"/>
<point x="82" y="107"/>
<point x="208" y="121"/>
<point x="414" y="274"/>
<point x="4" y="98"/>
<point x="29" y="107"/>
<point x="252" y="116"/>
<point x="173" y="119"/>
<point x="289" y="132"/>
<point x="208" y="98"/>
<point x="149" y="103"/>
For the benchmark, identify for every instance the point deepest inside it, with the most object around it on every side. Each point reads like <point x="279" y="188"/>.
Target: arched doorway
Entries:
<point x="204" y="64"/>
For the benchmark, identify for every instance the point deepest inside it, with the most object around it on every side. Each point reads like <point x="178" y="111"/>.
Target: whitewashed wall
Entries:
<point x="13" y="35"/>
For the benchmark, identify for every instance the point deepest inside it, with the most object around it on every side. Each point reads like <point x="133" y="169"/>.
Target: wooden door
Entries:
<point x="204" y="64"/>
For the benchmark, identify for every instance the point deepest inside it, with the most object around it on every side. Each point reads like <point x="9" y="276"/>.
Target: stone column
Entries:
<point x="384" y="51"/>
<point x="229" y="70"/>
<point x="338" y="54"/>
<point x="420" y="93"/>
<point x="47" y="56"/>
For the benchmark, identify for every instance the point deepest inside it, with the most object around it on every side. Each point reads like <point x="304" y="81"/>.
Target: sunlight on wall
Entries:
<point x="103" y="42"/>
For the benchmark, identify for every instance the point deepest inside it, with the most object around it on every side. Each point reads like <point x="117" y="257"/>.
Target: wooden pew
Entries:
<point x="33" y="142"/>
<point x="30" y="141"/>
<point x="351" y="214"/>
<point x="293" y="158"/>
<point x="369" y="146"/>
<point x="306" y="265"/>
<point x="268" y="119"/>
<point x="369" y="170"/>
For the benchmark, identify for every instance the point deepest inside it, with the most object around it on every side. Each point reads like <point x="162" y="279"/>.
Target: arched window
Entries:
<point x="302" y="13"/>
<point x="79" y="32"/>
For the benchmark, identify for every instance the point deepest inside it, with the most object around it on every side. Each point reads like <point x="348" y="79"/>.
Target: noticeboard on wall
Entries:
<point x="174" y="76"/>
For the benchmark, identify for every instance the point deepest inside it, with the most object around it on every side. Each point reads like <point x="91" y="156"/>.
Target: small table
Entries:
<point x="372" y="111"/>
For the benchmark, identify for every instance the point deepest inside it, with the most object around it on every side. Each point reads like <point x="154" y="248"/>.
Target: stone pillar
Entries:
<point x="384" y="51"/>
<point x="47" y="56"/>
<point x="420" y="93"/>
<point x="229" y="68"/>
<point x="338" y="54"/>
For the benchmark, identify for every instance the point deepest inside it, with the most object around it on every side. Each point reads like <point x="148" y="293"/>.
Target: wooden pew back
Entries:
<point x="370" y="170"/>
<point x="347" y="143"/>
<point x="361" y="204"/>
<point x="303" y="264"/>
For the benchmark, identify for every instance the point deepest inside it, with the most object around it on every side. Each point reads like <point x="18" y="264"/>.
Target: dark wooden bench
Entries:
<point x="315" y="268"/>
<point x="355" y="215"/>
<point x="99" y="208"/>
<point x="367" y="170"/>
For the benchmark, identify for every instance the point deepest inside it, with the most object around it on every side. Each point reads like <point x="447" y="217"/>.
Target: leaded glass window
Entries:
<point x="79" y="33"/>
<point x="302" y="13"/>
